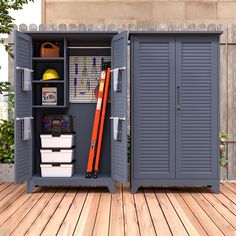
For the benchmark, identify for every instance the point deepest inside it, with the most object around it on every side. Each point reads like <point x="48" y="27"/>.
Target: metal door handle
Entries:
<point x="178" y="98"/>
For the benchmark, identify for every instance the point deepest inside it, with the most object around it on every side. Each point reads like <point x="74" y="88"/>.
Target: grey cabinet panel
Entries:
<point x="23" y="108"/>
<point x="119" y="108"/>
<point x="153" y="107"/>
<point x="197" y="118"/>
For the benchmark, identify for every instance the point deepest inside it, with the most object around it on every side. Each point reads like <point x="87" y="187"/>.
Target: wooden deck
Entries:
<point x="152" y="211"/>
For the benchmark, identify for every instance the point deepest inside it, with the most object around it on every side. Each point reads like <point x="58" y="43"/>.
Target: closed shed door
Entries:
<point x="153" y="107"/>
<point x="197" y="117"/>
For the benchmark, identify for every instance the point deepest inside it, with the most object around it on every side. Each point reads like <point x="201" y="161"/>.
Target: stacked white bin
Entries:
<point x="57" y="155"/>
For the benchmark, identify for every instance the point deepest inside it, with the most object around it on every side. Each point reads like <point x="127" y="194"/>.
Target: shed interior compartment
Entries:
<point x="83" y="112"/>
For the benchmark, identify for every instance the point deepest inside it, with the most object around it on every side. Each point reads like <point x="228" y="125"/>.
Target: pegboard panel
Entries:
<point x="86" y="74"/>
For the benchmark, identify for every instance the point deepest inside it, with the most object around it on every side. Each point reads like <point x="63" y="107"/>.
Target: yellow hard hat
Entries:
<point x="50" y="74"/>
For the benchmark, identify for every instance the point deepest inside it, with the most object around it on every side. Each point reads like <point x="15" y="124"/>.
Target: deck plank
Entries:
<point x="230" y="187"/>
<point x="14" y="207"/>
<point x="15" y="219"/>
<point x="56" y="219"/>
<point x="44" y="217"/>
<point x="216" y="217"/>
<point x="228" y="193"/>
<point x="116" y="226"/>
<point x="158" y="218"/>
<point x="7" y="190"/>
<point x="172" y="218"/>
<point x="159" y="211"/>
<point x="69" y="223"/>
<point x="224" y="211"/>
<point x="130" y="215"/>
<point x="87" y="218"/>
<point x="144" y="218"/>
<point x="189" y="220"/>
<point x="35" y="211"/>
<point x="201" y="215"/>
<point x="103" y="215"/>
<point x="3" y="186"/>
<point x="6" y="202"/>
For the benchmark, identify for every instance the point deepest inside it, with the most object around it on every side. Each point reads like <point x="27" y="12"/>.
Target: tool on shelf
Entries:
<point x="94" y="67"/>
<point x="76" y="75"/>
<point x="97" y="116"/>
<point x="85" y="70"/>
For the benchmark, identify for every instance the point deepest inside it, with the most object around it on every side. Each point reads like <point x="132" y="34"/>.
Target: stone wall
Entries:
<point x="139" y="11"/>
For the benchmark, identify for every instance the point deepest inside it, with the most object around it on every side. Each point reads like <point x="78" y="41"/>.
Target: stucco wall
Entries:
<point x="138" y="11"/>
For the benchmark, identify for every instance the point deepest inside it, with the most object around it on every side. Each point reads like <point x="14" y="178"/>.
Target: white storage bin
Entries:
<point x="61" y="156"/>
<point x="62" y="170"/>
<point x="62" y="141"/>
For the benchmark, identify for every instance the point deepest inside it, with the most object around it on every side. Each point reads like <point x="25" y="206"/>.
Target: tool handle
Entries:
<point x="85" y="61"/>
<point x="76" y="69"/>
<point x="94" y="61"/>
<point x="75" y="81"/>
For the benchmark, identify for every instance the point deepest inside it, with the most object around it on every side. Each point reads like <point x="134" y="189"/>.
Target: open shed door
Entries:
<point x="119" y="163"/>
<point x="23" y="108"/>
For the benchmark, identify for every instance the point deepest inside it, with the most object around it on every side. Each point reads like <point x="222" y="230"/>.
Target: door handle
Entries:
<point x="178" y="98"/>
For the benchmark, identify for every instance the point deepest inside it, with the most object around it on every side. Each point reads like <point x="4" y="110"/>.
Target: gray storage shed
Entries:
<point x="174" y="107"/>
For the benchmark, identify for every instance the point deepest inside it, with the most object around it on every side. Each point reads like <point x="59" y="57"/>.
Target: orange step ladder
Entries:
<point x="96" y="123"/>
<point x="101" y="128"/>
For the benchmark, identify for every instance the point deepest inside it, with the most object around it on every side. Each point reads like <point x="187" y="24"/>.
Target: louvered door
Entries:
<point x="197" y="114"/>
<point x="119" y="162"/>
<point x="23" y="108"/>
<point x="153" y="107"/>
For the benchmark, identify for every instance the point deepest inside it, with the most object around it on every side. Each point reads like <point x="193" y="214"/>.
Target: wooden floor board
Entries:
<point x="146" y="224"/>
<point x="94" y="211"/>
<point x="44" y="217"/>
<point x="16" y="193"/>
<point x="222" y="209"/>
<point x="58" y="216"/>
<point x="201" y="215"/>
<point x="175" y="224"/>
<point x="189" y="220"/>
<point x="230" y="187"/>
<point x="88" y="215"/>
<point x="101" y="226"/>
<point x="215" y="216"/>
<point x="35" y="211"/>
<point x="69" y="223"/>
<point x="116" y="226"/>
<point x="15" y="219"/>
<point x="228" y="193"/>
<point x="157" y="215"/>
<point x="3" y="186"/>
<point x="7" y="190"/>
<point x="130" y="214"/>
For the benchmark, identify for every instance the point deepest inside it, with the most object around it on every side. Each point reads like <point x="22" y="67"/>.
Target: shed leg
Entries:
<point x="134" y="188"/>
<point x="216" y="188"/>
<point x="112" y="187"/>
<point x="30" y="187"/>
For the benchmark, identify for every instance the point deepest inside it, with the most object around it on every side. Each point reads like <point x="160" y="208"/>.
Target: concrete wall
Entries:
<point x="139" y="11"/>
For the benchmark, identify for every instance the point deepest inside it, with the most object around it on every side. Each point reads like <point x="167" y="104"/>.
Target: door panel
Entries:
<point x="197" y="118"/>
<point x="23" y="108"/>
<point x="153" y="107"/>
<point x="119" y="161"/>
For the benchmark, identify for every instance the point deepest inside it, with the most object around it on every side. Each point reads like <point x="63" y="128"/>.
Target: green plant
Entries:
<point x="6" y="20"/>
<point x="7" y="141"/>
<point x="5" y="91"/>
<point x="223" y="140"/>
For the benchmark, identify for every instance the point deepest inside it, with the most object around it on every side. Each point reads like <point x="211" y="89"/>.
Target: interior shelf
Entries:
<point x="48" y="106"/>
<point x="47" y="81"/>
<point x="48" y="59"/>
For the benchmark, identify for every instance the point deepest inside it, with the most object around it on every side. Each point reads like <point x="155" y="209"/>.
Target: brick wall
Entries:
<point x="139" y="11"/>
